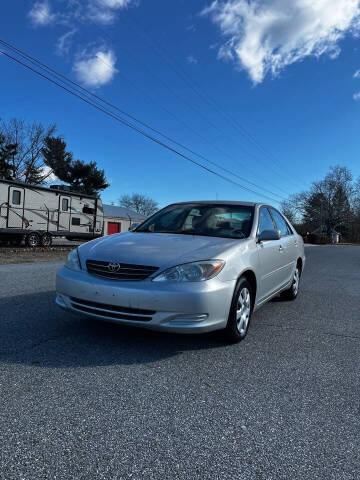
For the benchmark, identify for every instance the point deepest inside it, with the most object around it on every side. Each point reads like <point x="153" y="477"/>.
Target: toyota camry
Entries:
<point x="191" y="267"/>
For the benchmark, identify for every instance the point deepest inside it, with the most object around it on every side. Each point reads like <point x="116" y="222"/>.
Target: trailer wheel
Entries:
<point x="46" y="240"/>
<point x="32" y="240"/>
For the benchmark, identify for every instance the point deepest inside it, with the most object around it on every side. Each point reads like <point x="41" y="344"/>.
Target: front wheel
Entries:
<point x="293" y="291"/>
<point x="240" y="312"/>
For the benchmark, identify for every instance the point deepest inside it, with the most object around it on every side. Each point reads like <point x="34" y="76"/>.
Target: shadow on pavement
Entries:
<point x="34" y="331"/>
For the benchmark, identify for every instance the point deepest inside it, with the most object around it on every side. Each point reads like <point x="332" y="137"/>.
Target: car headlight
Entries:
<point x="73" y="260"/>
<point x="191" y="272"/>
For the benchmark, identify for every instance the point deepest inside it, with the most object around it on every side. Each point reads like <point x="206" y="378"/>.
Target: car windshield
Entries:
<point x="214" y="220"/>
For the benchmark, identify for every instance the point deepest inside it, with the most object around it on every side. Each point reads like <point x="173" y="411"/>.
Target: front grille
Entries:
<point x="112" y="311"/>
<point x="125" y="271"/>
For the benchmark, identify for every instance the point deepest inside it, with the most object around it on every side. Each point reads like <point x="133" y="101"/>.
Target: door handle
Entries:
<point x="281" y="248"/>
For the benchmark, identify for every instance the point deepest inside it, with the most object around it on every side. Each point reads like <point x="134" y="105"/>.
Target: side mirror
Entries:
<point x="267" y="235"/>
<point x="133" y="226"/>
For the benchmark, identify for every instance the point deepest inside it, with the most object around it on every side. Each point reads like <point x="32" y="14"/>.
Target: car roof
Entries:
<point x="218" y="202"/>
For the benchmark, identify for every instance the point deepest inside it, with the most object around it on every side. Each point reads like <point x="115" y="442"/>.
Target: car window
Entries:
<point x="265" y="220"/>
<point x="214" y="220"/>
<point x="280" y="223"/>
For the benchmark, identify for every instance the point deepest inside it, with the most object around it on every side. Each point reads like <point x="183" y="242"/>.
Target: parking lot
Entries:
<point x="82" y="399"/>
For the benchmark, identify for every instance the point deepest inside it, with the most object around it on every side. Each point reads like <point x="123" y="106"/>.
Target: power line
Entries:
<point x="192" y="108"/>
<point x="48" y="69"/>
<point x="135" y="128"/>
<point x="199" y="91"/>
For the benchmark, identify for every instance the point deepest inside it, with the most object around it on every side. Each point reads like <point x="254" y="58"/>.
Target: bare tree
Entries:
<point x="330" y="203"/>
<point x="27" y="162"/>
<point x="140" y="203"/>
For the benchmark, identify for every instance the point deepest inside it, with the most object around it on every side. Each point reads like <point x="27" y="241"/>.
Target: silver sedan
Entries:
<point x="191" y="267"/>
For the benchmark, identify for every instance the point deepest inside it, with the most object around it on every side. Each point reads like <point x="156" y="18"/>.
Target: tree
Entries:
<point x="57" y="158"/>
<point x="140" y="203"/>
<point x="7" y="152"/>
<point x="329" y="204"/>
<point x="82" y="177"/>
<point x="26" y="161"/>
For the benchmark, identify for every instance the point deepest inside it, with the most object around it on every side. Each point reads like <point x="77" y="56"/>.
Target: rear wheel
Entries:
<point x="46" y="240"/>
<point x="32" y="240"/>
<point x="293" y="291"/>
<point x="240" y="312"/>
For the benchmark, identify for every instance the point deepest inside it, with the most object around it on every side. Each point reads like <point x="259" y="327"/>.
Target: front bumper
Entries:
<point x="177" y="307"/>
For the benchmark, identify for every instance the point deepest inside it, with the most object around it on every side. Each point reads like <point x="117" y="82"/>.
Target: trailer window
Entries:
<point x="16" y="197"/>
<point x="88" y="210"/>
<point x="65" y="204"/>
<point x="75" y="221"/>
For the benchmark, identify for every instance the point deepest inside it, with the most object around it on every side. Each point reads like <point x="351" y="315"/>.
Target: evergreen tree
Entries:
<point x="7" y="152"/>
<point x="82" y="177"/>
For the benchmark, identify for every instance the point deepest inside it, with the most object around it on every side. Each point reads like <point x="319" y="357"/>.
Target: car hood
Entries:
<point x="156" y="249"/>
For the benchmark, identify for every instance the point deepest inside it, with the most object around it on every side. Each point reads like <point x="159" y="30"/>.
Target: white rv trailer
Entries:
<point x="37" y="214"/>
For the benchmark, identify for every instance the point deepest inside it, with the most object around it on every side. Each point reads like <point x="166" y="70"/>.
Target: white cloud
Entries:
<point x="95" y="70"/>
<point x="98" y="11"/>
<point x="267" y="35"/>
<point x="40" y="14"/>
<point x="356" y="96"/>
<point x="63" y="43"/>
<point x="115" y="3"/>
<point x="49" y="175"/>
<point x="357" y="74"/>
<point x="192" y="59"/>
<point x="103" y="11"/>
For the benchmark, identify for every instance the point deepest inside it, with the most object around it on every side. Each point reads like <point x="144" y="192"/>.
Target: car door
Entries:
<point x="288" y="247"/>
<point x="271" y="258"/>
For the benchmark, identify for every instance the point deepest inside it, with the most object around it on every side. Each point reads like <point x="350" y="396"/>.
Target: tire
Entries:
<point x="46" y="240"/>
<point x="293" y="291"/>
<point x="3" y="243"/>
<point x="240" y="312"/>
<point x="33" y="240"/>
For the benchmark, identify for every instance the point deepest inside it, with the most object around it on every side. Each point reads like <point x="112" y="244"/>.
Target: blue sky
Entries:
<point x="285" y="73"/>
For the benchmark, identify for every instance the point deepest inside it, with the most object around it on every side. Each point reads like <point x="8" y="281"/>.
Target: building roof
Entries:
<point x="122" y="212"/>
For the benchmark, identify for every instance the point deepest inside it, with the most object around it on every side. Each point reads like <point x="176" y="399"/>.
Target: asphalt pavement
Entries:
<point x="82" y="399"/>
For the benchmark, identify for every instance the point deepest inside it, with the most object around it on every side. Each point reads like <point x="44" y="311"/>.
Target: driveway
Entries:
<point x="88" y="400"/>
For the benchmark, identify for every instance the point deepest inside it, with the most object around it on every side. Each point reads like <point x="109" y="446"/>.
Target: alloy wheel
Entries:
<point x="296" y="281"/>
<point x="243" y="311"/>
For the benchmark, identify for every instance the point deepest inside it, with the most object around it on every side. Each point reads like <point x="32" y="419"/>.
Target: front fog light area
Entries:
<point x="187" y="318"/>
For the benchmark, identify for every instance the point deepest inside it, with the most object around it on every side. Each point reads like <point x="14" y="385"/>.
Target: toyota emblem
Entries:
<point x="114" y="266"/>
